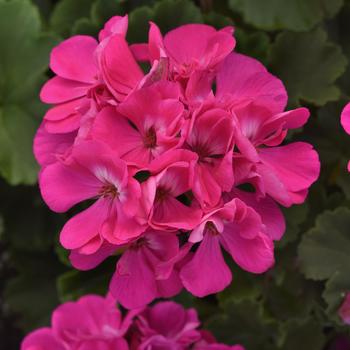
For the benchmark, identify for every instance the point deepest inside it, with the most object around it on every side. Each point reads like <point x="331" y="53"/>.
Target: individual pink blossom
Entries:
<point x="94" y="322"/>
<point x="167" y="325"/>
<point x="257" y="100"/>
<point x="239" y="230"/>
<point x="171" y="177"/>
<point x="192" y="47"/>
<point x="211" y="136"/>
<point x="78" y="81"/>
<point x="91" y="323"/>
<point x="147" y="270"/>
<point x="146" y="125"/>
<point x="344" y="310"/>
<point x="91" y="171"/>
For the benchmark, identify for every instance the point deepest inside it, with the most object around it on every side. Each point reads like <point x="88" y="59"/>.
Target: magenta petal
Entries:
<point x="133" y="283"/>
<point x="47" y="147"/>
<point x="41" y="339"/>
<point x="62" y="186"/>
<point x="246" y="80"/>
<point x="253" y="255"/>
<point x="296" y="166"/>
<point x="74" y="59"/>
<point x="269" y="211"/>
<point x="119" y="68"/>
<point x="345" y="118"/>
<point x="58" y="90"/>
<point x="169" y="287"/>
<point x="206" y="273"/>
<point x="85" y="226"/>
<point x="87" y="262"/>
<point x="115" y="25"/>
<point x="172" y="213"/>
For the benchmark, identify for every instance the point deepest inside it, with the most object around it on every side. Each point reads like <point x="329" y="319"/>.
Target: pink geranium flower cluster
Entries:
<point x="94" y="322"/>
<point x="165" y="154"/>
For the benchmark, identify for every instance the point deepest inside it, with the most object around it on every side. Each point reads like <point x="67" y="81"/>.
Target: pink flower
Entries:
<point x="344" y="310"/>
<point x="146" y="125"/>
<point x="147" y="270"/>
<point x="192" y="47"/>
<point x="257" y="100"/>
<point x="91" y="323"/>
<point x="239" y="230"/>
<point x="345" y="122"/>
<point x="48" y="148"/>
<point x="211" y="138"/>
<point x="95" y="323"/>
<point x="77" y="85"/>
<point x="172" y="177"/>
<point x="163" y="155"/>
<point x="91" y="172"/>
<point x="167" y="325"/>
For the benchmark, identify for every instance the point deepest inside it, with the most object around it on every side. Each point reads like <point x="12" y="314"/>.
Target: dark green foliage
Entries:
<point x="306" y="43"/>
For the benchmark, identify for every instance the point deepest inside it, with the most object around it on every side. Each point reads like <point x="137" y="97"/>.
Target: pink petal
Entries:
<point x="58" y="90"/>
<point x="87" y="262"/>
<point x="253" y="255"/>
<point x="65" y="117"/>
<point x="270" y="213"/>
<point x="86" y="225"/>
<point x="62" y="186"/>
<point x="345" y="118"/>
<point x="296" y="166"/>
<point x="205" y="187"/>
<point x="48" y="147"/>
<point x="115" y="25"/>
<point x="41" y="339"/>
<point x="172" y="213"/>
<point x="119" y="68"/>
<point x="74" y="59"/>
<point x="133" y="283"/>
<point x="246" y="79"/>
<point x="207" y="272"/>
<point x="169" y="287"/>
<point x="198" y="42"/>
<point x="155" y="43"/>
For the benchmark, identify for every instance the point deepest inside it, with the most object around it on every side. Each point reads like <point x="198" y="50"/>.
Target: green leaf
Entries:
<point x="308" y="65"/>
<point x="244" y="322"/>
<point x="138" y="24"/>
<point x="296" y="15"/>
<point x="255" y="44"/>
<point x="306" y="333"/>
<point x="67" y="13"/>
<point x="74" y="284"/>
<point x="244" y="286"/>
<point x="103" y="10"/>
<point x="336" y="289"/>
<point x="17" y="130"/>
<point x="324" y="254"/>
<point x="295" y="216"/>
<point x="324" y="250"/>
<point x="32" y="293"/>
<point x="185" y="10"/>
<point x="162" y="13"/>
<point x="217" y="20"/>
<point x="23" y="61"/>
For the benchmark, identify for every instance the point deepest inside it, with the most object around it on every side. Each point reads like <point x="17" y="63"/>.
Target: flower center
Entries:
<point x="109" y="190"/>
<point x="161" y="194"/>
<point x="150" y="138"/>
<point x="211" y="228"/>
